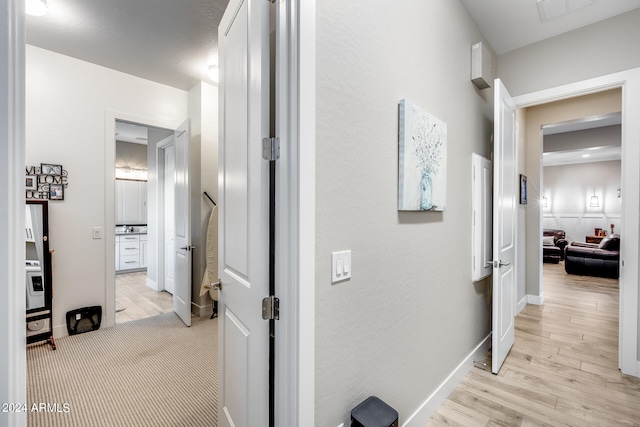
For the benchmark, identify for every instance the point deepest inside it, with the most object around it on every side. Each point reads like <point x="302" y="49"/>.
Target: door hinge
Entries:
<point x="271" y="308"/>
<point x="271" y="148"/>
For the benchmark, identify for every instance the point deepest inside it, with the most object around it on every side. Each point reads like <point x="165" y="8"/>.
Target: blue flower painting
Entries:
<point x="422" y="158"/>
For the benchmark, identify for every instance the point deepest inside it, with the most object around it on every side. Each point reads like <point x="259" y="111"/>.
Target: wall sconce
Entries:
<point x="35" y="7"/>
<point x="544" y="202"/>
<point x="595" y="203"/>
<point x="619" y="192"/>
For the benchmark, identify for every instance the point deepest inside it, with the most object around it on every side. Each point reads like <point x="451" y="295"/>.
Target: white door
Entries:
<point x="243" y="217"/>
<point x="182" y="227"/>
<point x="505" y="189"/>
<point x="168" y="191"/>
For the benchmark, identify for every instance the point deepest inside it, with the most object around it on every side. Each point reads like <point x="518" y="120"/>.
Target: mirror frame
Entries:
<point x="47" y="273"/>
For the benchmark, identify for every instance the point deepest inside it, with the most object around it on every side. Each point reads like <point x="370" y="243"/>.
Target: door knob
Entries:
<point x="497" y="264"/>
<point x="217" y="286"/>
<point x="188" y="248"/>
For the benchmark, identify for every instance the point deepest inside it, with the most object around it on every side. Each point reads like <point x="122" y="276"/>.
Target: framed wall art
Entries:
<point x="48" y="169"/>
<point x="422" y="160"/>
<point x="56" y="192"/>
<point x="523" y="189"/>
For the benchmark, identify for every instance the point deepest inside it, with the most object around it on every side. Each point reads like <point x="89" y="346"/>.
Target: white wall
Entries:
<point x="66" y="104"/>
<point x="203" y="108"/>
<point x="569" y="188"/>
<point x="410" y="314"/>
<point x="599" y="49"/>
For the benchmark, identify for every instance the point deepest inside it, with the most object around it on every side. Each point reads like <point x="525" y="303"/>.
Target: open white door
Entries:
<point x="505" y="188"/>
<point x="182" y="227"/>
<point x="244" y="213"/>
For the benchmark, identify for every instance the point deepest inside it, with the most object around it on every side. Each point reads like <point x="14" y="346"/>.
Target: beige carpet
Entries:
<point x="150" y="372"/>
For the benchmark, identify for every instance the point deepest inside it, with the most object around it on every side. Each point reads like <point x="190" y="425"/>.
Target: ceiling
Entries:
<point x="130" y="132"/>
<point x="589" y="153"/>
<point x="173" y="42"/>
<point x="166" y="41"/>
<point x="510" y="24"/>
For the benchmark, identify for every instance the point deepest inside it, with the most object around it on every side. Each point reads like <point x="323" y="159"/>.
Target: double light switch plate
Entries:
<point x="340" y="266"/>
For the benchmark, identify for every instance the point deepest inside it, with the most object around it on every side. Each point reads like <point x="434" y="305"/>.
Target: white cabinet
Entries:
<point x="131" y="202"/>
<point x="144" y="250"/>
<point x="131" y="252"/>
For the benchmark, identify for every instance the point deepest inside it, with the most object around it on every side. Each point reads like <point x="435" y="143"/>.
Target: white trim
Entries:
<point x="535" y="299"/>
<point x="110" y="118"/>
<point x="429" y="407"/>
<point x="521" y="304"/>
<point x="159" y="253"/>
<point x="295" y="269"/>
<point x="13" y="365"/>
<point x="307" y="206"/>
<point x="629" y="81"/>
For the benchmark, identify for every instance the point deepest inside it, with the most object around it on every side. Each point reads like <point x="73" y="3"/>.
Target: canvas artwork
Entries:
<point x="422" y="157"/>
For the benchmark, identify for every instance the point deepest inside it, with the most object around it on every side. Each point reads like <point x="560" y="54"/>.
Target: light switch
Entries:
<point x="340" y="266"/>
<point x="97" y="232"/>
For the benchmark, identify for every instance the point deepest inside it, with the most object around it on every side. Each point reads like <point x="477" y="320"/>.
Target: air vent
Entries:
<point x="551" y="9"/>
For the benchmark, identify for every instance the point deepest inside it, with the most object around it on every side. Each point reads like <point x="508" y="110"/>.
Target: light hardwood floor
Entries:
<point x="562" y="369"/>
<point x="135" y="300"/>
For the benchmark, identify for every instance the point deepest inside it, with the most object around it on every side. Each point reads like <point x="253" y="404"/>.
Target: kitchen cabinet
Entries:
<point x="131" y="202"/>
<point x="131" y="252"/>
<point x="144" y="250"/>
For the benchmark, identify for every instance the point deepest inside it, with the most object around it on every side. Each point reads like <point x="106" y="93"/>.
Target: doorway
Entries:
<point x="580" y="207"/>
<point x="132" y="289"/>
<point x="629" y="226"/>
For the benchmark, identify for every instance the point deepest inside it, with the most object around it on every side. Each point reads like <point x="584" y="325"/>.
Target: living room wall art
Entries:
<point x="422" y="160"/>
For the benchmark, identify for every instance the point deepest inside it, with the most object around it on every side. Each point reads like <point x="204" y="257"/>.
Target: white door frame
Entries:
<point x="110" y="220"/>
<point x="295" y="207"/>
<point x="160" y="253"/>
<point x="13" y="362"/>
<point x="629" y="82"/>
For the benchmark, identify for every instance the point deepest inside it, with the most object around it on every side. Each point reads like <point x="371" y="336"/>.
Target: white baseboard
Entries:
<point x="152" y="284"/>
<point x="529" y="299"/>
<point x="424" y="413"/>
<point x="521" y="304"/>
<point x="535" y="299"/>
<point x="201" y="310"/>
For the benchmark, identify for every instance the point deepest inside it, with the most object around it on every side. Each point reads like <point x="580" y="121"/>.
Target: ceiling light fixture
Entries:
<point x="551" y="9"/>
<point x="214" y="73"/>
<point x="35" y="7"/>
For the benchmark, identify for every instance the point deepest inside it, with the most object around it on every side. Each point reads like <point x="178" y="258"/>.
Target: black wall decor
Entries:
<point x="46" y="182"/>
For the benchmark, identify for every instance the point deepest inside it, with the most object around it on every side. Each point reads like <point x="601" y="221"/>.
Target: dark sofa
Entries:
<point x="590" y="259"/>
<point x="553" y="250"/>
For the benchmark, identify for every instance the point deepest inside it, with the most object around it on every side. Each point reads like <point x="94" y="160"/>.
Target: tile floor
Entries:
<point x="135" y="300"/>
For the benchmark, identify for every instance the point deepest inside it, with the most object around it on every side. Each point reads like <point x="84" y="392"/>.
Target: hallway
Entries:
<point x="562" y="369"/>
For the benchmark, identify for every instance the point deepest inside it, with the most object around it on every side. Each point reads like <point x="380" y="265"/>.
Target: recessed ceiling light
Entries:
<point x="586" y="155"/>
<point x="35" y="7"/>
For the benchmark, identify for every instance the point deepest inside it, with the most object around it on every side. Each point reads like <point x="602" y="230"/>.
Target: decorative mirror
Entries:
<point x="38" y="272"/>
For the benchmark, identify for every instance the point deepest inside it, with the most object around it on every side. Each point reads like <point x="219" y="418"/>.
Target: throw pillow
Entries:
<point x="547" y="241"/>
